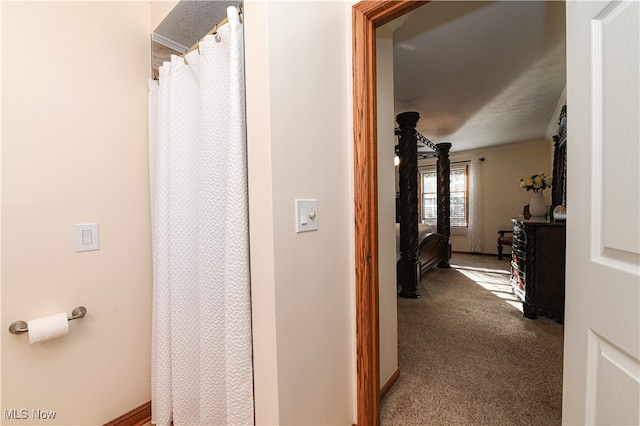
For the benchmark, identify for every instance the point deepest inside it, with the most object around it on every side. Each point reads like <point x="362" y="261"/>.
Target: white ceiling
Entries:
<point x="481" y="73"/>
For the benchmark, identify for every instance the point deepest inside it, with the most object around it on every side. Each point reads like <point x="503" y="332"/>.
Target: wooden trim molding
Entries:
<point x="367" y="15"/>
<point x="392" y="381"/>
<point x="136" y="417"/>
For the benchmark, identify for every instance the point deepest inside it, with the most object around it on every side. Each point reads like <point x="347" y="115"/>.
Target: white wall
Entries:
<point x="502" y="197"/>
<point x="159" y="10"/>
<point x="74" y="150"/>
<point x="299" y="116"/>
<point x="387" y="293"/>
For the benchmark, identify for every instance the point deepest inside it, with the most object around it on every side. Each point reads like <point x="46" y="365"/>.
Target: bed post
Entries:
<point x="443" y="201"/>
<point x="408" y="265"/>
<point x="559" y="182"/>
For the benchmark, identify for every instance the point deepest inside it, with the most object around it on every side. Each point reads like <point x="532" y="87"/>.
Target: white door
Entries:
<point x="602" y="322"/>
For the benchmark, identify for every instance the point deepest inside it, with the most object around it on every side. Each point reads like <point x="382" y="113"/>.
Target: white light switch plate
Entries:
<point x="306" y="215"/>
<point x="86" y="236"/>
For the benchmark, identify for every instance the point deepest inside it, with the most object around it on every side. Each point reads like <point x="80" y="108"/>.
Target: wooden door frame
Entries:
<point x="367" y="16"/>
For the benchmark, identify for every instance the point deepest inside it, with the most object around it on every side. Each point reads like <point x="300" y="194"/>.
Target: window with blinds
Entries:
<point x="458" y="188"/>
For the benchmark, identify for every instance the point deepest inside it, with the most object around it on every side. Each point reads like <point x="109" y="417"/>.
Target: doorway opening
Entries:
<point x="367" y="17"/>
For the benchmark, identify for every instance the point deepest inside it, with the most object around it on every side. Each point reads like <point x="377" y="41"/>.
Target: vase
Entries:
<point x="537" y="206"/>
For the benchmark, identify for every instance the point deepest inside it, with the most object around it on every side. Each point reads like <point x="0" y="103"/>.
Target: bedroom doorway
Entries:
<point x="367" y="17"/>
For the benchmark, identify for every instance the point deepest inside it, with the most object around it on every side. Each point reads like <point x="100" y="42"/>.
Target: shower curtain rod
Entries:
<point x="213" y="31"/>
<point x="465" y="161"/>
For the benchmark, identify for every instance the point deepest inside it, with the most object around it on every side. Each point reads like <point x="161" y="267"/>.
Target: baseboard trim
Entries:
<point x="142" y="414"/>
<point x="136" y="417"/>
<point x="392" y="380"/>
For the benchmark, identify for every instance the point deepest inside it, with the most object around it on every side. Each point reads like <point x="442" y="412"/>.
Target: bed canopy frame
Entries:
<point x="412" y="252"/>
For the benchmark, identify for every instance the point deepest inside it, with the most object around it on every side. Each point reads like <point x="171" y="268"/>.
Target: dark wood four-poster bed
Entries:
<point x="420" y="249"/>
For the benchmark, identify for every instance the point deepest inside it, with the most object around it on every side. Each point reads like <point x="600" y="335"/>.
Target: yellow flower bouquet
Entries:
<point x="536" y="182"/>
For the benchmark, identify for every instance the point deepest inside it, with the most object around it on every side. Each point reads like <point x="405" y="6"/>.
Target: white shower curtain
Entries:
<point x="201" y="337"/>
<point x="475" y="208"/>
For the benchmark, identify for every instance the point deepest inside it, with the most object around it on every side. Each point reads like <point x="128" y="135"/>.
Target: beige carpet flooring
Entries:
<point x="468" y="357"/>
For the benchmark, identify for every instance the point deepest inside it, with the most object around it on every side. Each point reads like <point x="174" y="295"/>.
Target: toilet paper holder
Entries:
<point x="19" y="327"/>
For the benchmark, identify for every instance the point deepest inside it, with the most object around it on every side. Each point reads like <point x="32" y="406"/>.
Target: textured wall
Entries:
<point x="188" y="21"/>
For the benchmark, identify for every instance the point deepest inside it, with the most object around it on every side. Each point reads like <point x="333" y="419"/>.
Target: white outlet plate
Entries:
<point x="306" y="215"/>
<point x="86" y="236"/>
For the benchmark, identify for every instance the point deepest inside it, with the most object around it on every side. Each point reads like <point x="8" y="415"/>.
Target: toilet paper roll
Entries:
<point x="47" y="328"/>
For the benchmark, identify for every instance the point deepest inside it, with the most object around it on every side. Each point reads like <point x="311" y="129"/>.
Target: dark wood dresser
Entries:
<point x="538" y="267"/>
